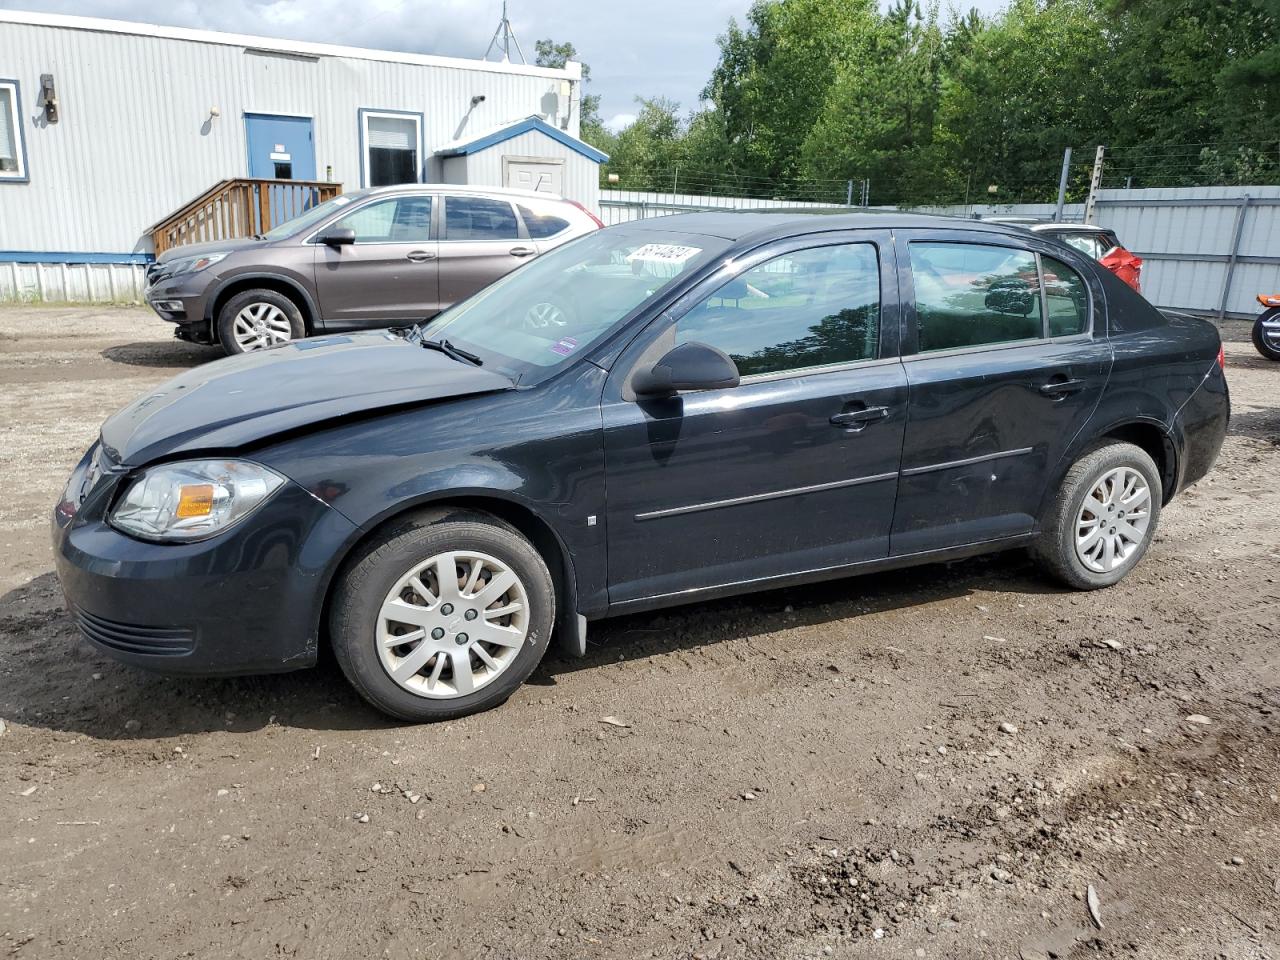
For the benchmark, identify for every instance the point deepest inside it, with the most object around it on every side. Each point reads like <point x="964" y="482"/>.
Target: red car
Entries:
<point x="1098" y="242"/>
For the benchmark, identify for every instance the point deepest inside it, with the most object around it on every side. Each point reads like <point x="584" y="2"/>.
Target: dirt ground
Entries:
<point x="803" y="773"/>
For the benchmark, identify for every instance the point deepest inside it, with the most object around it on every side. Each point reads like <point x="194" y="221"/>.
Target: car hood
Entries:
<point x="204" y="249"/>
<point x="241" y="400"/>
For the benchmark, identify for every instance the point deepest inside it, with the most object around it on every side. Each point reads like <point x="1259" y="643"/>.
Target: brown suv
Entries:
<point x="372" y="258"/>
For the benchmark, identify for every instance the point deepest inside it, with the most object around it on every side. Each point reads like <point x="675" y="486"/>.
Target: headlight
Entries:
<point x="193" y="264"/>
<point x="193" y="499"/>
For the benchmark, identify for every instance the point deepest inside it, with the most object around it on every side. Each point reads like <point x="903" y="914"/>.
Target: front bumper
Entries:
<point x="178" y="299"/>
<point x="246" y="601"/>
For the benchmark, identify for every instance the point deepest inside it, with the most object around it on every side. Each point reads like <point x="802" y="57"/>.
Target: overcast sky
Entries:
<point x="635" y="47"/>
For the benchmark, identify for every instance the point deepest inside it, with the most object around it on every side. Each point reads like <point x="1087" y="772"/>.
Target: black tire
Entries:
<point x="367" y="578"/>
<point x="1259" y="337"/>
<point x="247" y="298"/>
<point x="1056" y="547"/>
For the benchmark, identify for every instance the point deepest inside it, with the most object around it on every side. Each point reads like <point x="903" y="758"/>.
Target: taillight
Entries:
<point x="1222" y="357"/>
<point x="598" y="222"/>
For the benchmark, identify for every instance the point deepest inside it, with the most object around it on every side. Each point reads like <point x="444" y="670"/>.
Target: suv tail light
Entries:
<point x="1125" y="265"/>
<point x="598" y="222"/>
<point x="1222" y="357"/>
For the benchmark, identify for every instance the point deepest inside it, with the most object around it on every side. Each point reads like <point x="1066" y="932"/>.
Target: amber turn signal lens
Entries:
<point x="195" y="500"/>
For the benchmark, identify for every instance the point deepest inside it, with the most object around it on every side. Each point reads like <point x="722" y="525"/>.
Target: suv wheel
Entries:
<point x="444" y="616"/>
<point x="257" y="319"/>
<point x="1103" y="519"/>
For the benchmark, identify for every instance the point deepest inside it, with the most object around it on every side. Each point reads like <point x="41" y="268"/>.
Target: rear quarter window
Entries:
<point x="1066" y="298"/>
<point x="541" y="224"/>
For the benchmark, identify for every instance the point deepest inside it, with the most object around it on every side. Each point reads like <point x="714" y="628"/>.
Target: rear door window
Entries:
<point x="479" y="218"/>
<point x="810" y="308"/>
<point x="970" y="295"/>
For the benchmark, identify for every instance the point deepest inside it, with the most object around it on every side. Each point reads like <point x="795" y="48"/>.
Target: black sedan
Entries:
<point x="654" y="414"/>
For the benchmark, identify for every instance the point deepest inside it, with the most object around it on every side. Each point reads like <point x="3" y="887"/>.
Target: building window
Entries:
<point x="392" y="144"/>
<point x="13" y="153"/>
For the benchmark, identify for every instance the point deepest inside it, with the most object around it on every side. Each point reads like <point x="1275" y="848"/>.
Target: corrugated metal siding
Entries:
<point x="1186" y="245"/>
<point x="135" y="140"/>
<point x="581" y="175"/>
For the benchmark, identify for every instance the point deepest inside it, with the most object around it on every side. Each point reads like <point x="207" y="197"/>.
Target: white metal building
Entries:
<point x="108" y="127"/>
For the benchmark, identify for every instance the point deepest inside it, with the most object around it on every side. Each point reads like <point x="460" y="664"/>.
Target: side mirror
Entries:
<point x="690" y="366"/>
<point x="338" y="237"/>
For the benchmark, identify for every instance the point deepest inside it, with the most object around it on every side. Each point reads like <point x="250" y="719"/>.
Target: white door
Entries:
<point x="524" y="173"/>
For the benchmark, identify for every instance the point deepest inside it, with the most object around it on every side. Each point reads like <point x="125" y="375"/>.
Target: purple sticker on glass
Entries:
<point x="564" y="346"/>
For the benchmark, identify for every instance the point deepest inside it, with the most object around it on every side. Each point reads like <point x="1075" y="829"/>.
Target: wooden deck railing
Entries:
<point x="239" y="208"/>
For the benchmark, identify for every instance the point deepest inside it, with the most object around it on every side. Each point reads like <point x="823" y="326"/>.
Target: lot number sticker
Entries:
<point x="672" y="253"/>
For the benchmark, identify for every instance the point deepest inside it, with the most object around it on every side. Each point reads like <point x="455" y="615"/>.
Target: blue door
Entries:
<point x="280" y="148"/>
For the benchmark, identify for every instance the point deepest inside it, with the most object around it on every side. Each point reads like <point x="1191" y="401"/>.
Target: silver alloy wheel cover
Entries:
<point x="260" y="325"/>
<point x="542" y="315"/>
<point x="452" y="624"/>
<point x="1271" y="332"/>
<point x="1114" y="520"/>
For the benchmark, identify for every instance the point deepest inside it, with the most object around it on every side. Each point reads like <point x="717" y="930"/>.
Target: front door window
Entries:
<point x="810" y="308"/>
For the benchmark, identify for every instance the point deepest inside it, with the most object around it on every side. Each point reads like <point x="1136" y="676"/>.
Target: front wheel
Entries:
<point x="444" y="616"/>
<point x="1103" y="519"/>
<point x="258" y="319"/>
<point x="1266" y="334"/>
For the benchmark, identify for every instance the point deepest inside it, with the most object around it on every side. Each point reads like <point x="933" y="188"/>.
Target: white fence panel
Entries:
<point x="72" y="282"/>
<point x="623" y="206"/>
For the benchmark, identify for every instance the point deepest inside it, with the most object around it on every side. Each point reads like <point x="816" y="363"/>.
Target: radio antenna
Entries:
<point x="504" y="38"/>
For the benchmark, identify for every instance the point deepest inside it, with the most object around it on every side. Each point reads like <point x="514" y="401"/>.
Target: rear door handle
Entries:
<point x="858" y="419"/>
<point x="1060" y="388"/>
<point x="522" y="251"/>
<point x="420" y="256"/>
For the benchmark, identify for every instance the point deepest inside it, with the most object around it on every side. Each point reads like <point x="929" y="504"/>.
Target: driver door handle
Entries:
<point x="1060" y="388"/>
<point x="857" y="419"/>
<point x="420" y="256"/>
<point x="522" y="251"/>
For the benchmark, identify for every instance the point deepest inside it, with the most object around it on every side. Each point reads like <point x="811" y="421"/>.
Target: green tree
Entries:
<point x="1036" y="80"/>
<point x="773" y="77"/>
<point x="646" y="153"/>
<point x="879" y="116"/>
<point x="1198" y="73"/>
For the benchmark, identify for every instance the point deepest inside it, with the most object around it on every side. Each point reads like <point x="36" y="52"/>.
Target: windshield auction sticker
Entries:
<point x="672" y="253"/>
<point x="564" y="346"/>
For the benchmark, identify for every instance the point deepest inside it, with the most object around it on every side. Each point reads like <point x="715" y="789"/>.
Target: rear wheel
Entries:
<point x="444" y="616"/>
<point x="1103" y="519"/>
<point x="257" y="319"/>
<point x="1266" y="334"/>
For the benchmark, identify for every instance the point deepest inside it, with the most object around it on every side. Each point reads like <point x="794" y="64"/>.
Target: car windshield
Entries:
<point x="566" y="301"/>
<point x="317" y="214"/>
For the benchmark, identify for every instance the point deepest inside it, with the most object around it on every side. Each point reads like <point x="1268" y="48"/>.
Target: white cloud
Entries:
<point x="619" y="122"/>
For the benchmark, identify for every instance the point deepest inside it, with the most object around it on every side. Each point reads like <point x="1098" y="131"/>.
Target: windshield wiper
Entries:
<point x="449" y="350"/>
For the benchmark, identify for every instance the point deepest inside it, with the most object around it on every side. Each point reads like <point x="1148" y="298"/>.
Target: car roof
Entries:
<point x="742" y="225"/>
<point x="461" y="188"/>
<point x="1068" y="228"/>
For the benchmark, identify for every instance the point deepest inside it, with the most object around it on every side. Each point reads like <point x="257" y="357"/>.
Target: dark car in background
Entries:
<point x="368" y="259"/>
<point x="730" y="403"/>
